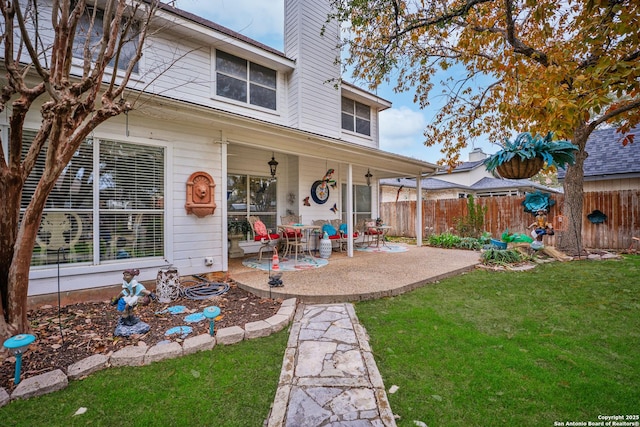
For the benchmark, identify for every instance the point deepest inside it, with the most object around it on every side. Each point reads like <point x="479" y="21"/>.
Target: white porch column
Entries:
<point x="419" y="225"/>
<point x="350" y="210"/>
<point x="223" y="203"/>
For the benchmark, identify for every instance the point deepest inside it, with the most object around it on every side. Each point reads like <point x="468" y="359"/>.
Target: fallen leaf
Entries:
<point x="80" y="411"/>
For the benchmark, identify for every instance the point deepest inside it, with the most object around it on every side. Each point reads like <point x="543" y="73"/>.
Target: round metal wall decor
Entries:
<point x="320" y="192"/>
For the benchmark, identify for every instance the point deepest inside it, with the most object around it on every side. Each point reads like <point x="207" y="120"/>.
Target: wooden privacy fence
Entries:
<point x="622" y="209"/>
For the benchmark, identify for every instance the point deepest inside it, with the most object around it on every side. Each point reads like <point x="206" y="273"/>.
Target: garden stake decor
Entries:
<point x="527" y="155"/>
<point x="211" y="313"/>
<point x="17" y="345"/>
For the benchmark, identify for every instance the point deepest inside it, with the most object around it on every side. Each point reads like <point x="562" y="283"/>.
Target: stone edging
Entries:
<point x="140" y="355"/>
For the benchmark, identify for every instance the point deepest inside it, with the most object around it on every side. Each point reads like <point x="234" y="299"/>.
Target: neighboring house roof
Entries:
<point x="608" y="158"/>
<point x="484" y="184"/>
<point x="462" y="167"/>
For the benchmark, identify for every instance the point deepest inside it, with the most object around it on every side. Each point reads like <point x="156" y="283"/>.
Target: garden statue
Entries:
<point x="541" y="226"/>
<point x="132" y="293"/>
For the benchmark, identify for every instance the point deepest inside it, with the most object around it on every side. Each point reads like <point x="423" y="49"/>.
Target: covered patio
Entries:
<point x="366" y="275"/>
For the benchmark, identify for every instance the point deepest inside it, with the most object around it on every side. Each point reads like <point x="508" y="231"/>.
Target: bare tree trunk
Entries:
<point x="9" y="218"/>
<point x="570" y="241"/>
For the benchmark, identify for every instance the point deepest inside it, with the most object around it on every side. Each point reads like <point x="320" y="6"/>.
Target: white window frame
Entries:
<point x="246" y="79"/>
<point x="354" y="116"/>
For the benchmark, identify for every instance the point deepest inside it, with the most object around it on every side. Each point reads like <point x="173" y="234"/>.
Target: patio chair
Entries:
<point x="369" y="231"/>
<point x="262" y="234"/>
<point x="344" y="236"/>
<point x="291" y="219"/>
<point x="293" y="242"/>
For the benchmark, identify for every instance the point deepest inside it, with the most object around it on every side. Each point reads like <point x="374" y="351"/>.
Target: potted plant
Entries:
<point x="237" y="230"/>
<point x="526" y="155"/>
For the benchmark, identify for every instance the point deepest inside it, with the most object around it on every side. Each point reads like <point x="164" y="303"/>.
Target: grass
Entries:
<point x="229" y="386"/>
<point x="558" y="343"/>
<point x="555" y="344"/>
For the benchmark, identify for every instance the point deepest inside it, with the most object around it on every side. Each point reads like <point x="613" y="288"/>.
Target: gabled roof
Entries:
<point x="608" y="158"/>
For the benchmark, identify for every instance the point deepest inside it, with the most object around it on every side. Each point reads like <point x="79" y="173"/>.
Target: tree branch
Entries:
<point x="635" y="103"/>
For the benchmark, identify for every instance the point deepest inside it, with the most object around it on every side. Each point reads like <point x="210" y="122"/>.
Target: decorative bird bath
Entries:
<point x="17" y="345"/>
<point x="211" y="313"/>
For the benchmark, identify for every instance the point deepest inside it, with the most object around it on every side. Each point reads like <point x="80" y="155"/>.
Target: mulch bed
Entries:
<point x="88" y="328"/>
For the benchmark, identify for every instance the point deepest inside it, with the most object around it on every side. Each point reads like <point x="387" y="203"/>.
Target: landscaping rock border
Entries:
<point x="141" y="355"/>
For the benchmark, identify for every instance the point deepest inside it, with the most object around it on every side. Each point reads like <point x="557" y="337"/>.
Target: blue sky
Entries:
<point x="401" y="126"/>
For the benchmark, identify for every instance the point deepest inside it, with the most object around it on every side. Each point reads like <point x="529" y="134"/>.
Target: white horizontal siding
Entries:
<point x="317" y="102"/>
<point x="310" y="171"/>
<point x="189" y="239"/>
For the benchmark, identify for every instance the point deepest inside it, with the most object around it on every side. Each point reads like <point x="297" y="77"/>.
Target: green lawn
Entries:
<point x="556" y="344"/>
<point x="229" y="386"/>
<point x="560" y="343"/>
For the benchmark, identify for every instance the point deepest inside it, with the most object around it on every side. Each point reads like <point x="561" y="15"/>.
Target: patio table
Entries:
<point x="305" y="230"/>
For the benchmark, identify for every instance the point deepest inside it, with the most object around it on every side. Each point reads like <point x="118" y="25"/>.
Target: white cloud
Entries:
<point x="400" y="128"/>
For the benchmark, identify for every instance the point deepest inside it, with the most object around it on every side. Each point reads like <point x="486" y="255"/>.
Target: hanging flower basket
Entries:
<point x="517" y="168"/>
<point x="526" y="155"/>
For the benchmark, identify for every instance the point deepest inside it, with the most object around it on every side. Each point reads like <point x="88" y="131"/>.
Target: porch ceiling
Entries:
<point x="255" y="133"/>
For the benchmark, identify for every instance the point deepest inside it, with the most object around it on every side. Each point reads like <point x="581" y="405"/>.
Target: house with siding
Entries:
<point x="216" y="108"/>
<point x="470" y="177"/>
<point x="610" y="165"/>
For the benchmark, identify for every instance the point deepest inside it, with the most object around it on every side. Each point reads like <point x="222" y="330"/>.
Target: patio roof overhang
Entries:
<point x="256" y="133"/>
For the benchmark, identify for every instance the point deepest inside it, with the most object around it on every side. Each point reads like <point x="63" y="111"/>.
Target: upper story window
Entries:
<point x="244" y="81"/>
<point x="94" y="34"/>
<point x="356" y="116"/>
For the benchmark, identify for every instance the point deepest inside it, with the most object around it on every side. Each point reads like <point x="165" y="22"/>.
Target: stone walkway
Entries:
<point x="329" y="376"/>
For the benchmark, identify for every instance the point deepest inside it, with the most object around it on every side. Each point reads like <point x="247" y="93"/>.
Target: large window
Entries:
<point x="244" y="81"/>
<point x="252" y="195"/>
<point x="126" y="202"/>
<point x="361" y="202"/>
<point x="94" y="34"/>
<point x="356" y="117"/>
<point x="131" y="200"/>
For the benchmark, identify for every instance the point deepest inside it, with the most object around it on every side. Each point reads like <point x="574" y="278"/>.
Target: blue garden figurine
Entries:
<point x="132" y="293"/>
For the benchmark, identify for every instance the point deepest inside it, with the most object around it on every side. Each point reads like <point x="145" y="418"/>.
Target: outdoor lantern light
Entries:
<point x="273" y="165"/>
<point x="17" y="345"/>
<point x="368" y="177"/>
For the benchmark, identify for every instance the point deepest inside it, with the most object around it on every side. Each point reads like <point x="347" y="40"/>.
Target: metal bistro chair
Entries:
<point x="293" y="242"/>
<point x="262" y="234"/>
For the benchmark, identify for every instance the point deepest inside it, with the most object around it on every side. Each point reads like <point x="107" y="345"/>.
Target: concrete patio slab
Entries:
<point x="364" y="276"/>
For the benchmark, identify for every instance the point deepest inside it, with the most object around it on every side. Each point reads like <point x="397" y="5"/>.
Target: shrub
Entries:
<point x="444" y="240"/>
<point x="501" y="256"/>
<point x="470" y="243"/>
<point x="472" y="224"/>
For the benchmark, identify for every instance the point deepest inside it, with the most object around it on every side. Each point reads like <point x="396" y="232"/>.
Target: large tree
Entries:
<point x="530" y="65"/>
<point x="50" y="64"/>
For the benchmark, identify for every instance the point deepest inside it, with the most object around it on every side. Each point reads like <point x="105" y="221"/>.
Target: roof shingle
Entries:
<point x="607" y="155"/>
